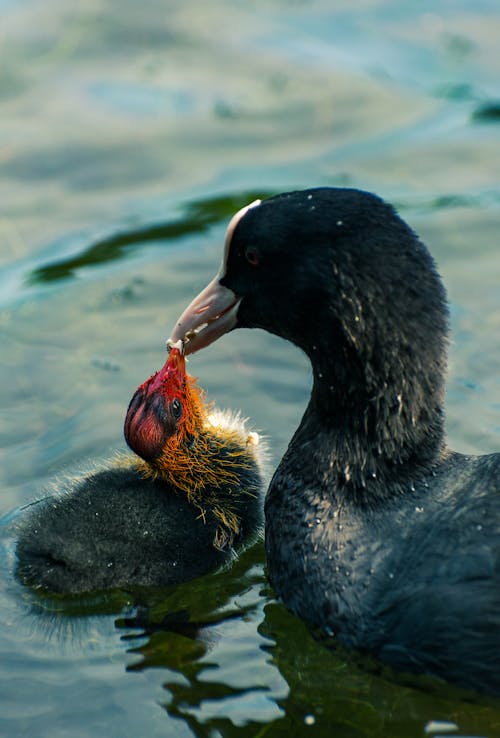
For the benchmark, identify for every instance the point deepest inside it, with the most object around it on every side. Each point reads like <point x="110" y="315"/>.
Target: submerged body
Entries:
<point x="422" y="598"/>
<point x="375" y="531"/>
<point x="185" y="508"/>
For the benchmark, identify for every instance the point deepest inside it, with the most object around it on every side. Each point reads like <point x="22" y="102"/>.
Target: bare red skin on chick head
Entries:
<point x="166" y="406"/>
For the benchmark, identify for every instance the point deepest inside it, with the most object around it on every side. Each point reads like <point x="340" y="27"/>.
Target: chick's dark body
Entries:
<point x="186" y="506"/>
<point x="113" y="528"/>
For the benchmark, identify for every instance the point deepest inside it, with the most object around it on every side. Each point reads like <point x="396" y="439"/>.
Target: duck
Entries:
<point x="377" y="534"/>
<point x="185" y="503"/>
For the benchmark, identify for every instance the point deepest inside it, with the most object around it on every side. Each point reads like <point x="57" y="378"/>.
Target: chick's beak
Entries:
<point x="211" y="314"/>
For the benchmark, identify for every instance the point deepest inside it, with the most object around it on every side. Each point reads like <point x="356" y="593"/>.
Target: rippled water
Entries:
<point x="129" y="133"/>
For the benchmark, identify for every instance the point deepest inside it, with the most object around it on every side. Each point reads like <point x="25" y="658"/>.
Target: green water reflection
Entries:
<point x="151" y="124"/>
<point x="196" y="218"/>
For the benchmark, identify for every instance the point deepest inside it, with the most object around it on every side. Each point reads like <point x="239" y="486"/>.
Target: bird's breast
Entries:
<point x="321" y="559"/>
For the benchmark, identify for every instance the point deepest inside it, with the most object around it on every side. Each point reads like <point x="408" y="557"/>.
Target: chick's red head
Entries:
<point x="165" y="409"/>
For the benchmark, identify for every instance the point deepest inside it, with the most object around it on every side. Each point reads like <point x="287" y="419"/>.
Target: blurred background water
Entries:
<point x="129" y="133"/>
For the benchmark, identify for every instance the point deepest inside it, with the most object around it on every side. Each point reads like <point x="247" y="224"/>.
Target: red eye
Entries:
<point x="252" y="255"/>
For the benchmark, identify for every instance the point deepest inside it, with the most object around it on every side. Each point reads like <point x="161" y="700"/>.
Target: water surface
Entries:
<point x="128" y="136"/>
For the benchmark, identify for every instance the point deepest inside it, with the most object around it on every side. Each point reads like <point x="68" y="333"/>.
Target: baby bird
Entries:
<point x="184" y="508"/>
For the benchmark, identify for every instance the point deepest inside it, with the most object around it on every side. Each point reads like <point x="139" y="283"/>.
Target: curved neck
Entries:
<point x="371" y="425"/>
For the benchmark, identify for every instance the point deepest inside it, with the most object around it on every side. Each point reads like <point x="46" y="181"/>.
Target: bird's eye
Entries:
<point x="252" y="255"/>
<point x="176" y="408"/>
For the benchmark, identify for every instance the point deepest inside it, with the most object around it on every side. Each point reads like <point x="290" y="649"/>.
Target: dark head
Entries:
<point x="341" y="275"/>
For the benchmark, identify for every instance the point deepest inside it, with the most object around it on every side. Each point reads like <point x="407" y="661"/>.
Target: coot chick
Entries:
<point x="375" y="531"/>
<point x="183" y="509"/>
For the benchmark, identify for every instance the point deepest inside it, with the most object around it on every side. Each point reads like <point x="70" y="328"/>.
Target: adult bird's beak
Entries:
<point x="214" y="311"/>
<point x="211" y="314"/>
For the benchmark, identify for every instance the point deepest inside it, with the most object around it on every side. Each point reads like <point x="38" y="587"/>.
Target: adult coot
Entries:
<point x="375" y="530"/>
<point x="182" y="510"/>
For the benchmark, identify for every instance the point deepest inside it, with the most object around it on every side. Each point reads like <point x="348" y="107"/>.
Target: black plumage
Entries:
<point x="375" y="530"/>
<point x="113" y="528"/>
